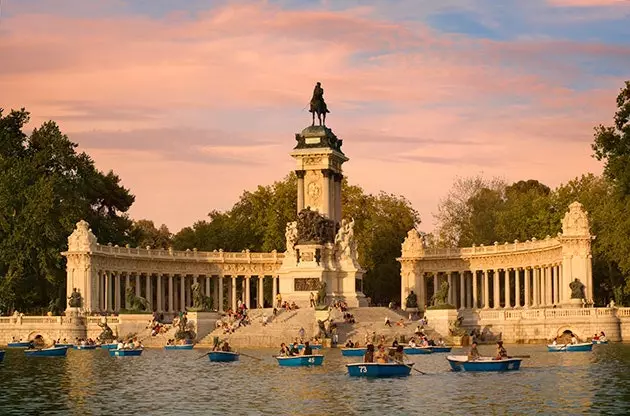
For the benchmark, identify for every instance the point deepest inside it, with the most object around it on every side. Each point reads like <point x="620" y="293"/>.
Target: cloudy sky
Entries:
<point x="193" y="101"/>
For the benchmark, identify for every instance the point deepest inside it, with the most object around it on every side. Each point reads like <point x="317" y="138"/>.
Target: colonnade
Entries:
<point x="518" y="287"/>
<point x="171" y="293"/>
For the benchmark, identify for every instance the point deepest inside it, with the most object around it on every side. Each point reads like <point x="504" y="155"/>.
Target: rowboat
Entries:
<point x="353" y="352"/>
<point x="313" y="347"/>
<point x="223" y="356"/>
<point x="378" y="369"/>
<point x="179" y="347"/>
<point x="584" y="346"/>
<point x="134" y="352"/>
<point x="599" y="341"/>
<point x="110" y="346"/>
<point x="64" y="345"/>
<point x="417" y="350"/>
<point x="47" y="352"/>
<point x="1" y="355"/>
<point x="300" y="360"/>
<point x="461" y="363"/>
<point x="19" y="344"/>
<point x="85" y="347"/>
<point x="441" y="349"/>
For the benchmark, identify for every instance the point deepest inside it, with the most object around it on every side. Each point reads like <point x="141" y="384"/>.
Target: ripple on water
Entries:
<point x="168" y="382"/>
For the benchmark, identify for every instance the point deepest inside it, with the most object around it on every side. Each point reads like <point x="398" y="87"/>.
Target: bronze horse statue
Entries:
<point x="318" y="105"/>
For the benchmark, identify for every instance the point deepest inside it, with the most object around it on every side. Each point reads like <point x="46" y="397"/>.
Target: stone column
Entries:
<point x="170" y="294"/>
<point x="220" y="290"/>
<point x="182" y="292"/>
<point x="233" y="293"/>
<point x="517" y="289"/>
<point x="558" y="291"/>
<point x="338" y="181"/>
<point x="450" y="287"/>
<point x="462" y="290"/>
<point x="473" y="276"/>
<point x="535" y="297"/>
<point x="248" y="295"/>
<point x="159" y="299"/>
<point x="300" y="189"/>
<point x="496" y="283"/>
<point x="261" y="291"/>
<point x="207" y="286"/>
<point x="435" y="283"/>
<point x="326" y="193"/>
<point x="507" y="294"/>
<point x="108" y="291"/>
<point x="486" y="289"/>
<point x="549" y="279"/>
<point x="117" y="290"/>
<point x="149" y="295"/>
<point x="527" y="282"/>
<point x="589" y="277"/>
<point x="469" y="302"/>
<point x="422" y="292"/>
<point x="274" y="290"/>
<point x="127" y="286"/>
<point x="138" y="284"/>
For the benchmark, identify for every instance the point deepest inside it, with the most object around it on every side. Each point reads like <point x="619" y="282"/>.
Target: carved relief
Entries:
<point x="575" y="221"/>
<point x="82" y="238"/>
<point x="413" y="244"/>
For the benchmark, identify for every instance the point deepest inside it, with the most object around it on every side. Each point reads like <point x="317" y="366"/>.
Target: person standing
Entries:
<point x="278" y="300"/>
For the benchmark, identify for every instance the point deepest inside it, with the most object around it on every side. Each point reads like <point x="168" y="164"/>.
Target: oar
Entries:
<point x="250" y="356"/>
<point x="200" y="357"/>
<point x="409" y="366"/>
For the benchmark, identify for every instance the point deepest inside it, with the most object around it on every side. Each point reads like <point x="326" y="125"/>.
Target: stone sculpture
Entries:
<point x="577" y="289"/>
<point x="321" y="294"/>
<point x="201" y="302"/>
<point x="318" y="105"/>
<point x="291" y="236"/>
<point x="412" y="300"/>
<point x="107" y="335"/>
<point x="136" y="303"/>
<point x="314" y="228"/>
<point x="441" y="297"/>
<point x="75" y="300"/>
<point x="346" y="244"/>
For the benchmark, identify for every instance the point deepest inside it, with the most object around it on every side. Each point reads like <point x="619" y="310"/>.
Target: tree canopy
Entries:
<point x="45" y="188"/>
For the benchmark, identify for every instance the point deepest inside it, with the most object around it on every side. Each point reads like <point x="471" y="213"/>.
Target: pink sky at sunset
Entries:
<point x="193" y="102"/>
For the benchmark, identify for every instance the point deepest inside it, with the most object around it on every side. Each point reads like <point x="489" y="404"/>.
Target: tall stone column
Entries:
<point x="207" y="286"/>
<point x="182" y="292"/>
<point x="486" y="289"/>
<point x="549" y="278"/>
<point x="274" y="289"/>
<point x="220" y="290"/>
<point x="158" y="294"/>
<point x="149" y="294"/>
<point x="527" y="301"/>
<point x="558" y="291"/>
<point x="326" y="192"/>
<point x="496" y="286"/>
<point x="507" y="294"/>
<point x="117" y="290"/>
<point x="517" y="289"/>
<point x="462" y="290"/>
<point x="170" y="294"/>
<point x="300" y="189"/>
<point x="469" y="303"/>
<point x="450" y="287"/>
<point x="261" y="291"/>
<point x="108" y="291"/>
<point x="475" y="304"/>
<point x="435" y="283"/>
<point x="535" y="297"/>
<point x="338" y="182"/>
<point x="422" y="292"/>
<point x="233" y="293"/>
<point x="137" y="284"/>
<point x="248" y="295"/>
<point x="127" y="286"/>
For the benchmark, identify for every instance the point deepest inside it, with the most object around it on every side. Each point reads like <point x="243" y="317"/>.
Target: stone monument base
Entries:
<point x="574" y="303"/>
<point x="440" y="319"/>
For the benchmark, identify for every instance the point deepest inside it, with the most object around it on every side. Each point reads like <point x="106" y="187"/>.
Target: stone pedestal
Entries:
<point x="574" y="303"/>
<point x="440" y="319"/>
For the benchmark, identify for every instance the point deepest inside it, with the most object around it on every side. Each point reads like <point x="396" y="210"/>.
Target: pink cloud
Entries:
<point x="586" y="3"/>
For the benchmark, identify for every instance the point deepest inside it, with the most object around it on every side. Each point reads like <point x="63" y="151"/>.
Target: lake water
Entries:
<point x="176" y="382"/>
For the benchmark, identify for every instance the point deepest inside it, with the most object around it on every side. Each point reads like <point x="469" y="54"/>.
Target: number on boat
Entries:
<point x="362" y="369"/>
<point x="311" y="360"/>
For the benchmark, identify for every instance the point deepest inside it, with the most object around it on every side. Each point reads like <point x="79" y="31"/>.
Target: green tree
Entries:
<point x="45" y="188"/>
<point x="144" y="233"/>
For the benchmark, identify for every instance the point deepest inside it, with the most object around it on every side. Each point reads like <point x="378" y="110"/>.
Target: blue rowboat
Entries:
<point x="47" y="352"/>
<point x="378" y="369"/>
<point x="135" y="352"/>
<point x="441" y="349"/>
<point x="417" y="350"/>
<point x="223" y="356"/>
<point x="64" y="345"/>
<point x="353" y="352"/>
<point x="461" y="363"/>
<point x="584" y="346"/>
<point x="85" y="347"/>
<point x="313" y="347"/>
<point x="300" y="360"/>
<point x="1" y="355"/>
<point x="20" y="344"/>
<point x="111" y="346"/>
<point x="599" y="342"/>
<point x="179" y="347"/>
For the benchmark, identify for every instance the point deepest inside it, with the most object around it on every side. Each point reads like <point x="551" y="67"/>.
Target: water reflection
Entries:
<point x="170" y="382"/>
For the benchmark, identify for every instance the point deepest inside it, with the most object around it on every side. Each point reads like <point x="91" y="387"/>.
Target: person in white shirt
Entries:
<point x="120" y="345"/>
<point x="573" y="339"/>
<point x="412" y="343"/>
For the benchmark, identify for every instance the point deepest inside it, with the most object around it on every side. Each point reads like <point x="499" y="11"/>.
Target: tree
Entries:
<point x="144" y="233"/>
<point x="45" y="188"/>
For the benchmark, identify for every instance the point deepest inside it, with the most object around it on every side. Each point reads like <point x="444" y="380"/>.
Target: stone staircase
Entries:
<point x="372" y="319"/>
<point x="283" y="328"/>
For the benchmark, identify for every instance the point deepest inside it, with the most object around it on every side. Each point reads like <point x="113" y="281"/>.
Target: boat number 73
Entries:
<point x="311" y="360"/>
<point x="362" y="369"/>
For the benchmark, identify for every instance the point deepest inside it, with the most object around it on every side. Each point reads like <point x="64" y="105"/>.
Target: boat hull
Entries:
<point x="64" y="345"/>
<point x="21" y="344"/>
<point x="313" y="347"/>
<point x="483" y="364"/>
<point x="417" y="350"/>
<point x="85" y="347"/>
<point x="47" y="352"/>
<point x="599" y="342"/>
<point x="378" y="370"/>
<point x="125" y="353"/>
<point x="353" y="352"/>
<point x="301" y="361"/>
<point x="441" y="349"/>
<point x="179" y="347"/>
<point x="1" y="356"/>
<point x="109" y="346"/>
<point x="583" y="347"/>
<point x="223" y="356"/>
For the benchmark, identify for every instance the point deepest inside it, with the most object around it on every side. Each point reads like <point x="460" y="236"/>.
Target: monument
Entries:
<point x="321" y="247"/>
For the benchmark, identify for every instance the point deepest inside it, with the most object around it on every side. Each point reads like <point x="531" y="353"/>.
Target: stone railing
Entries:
<point x="496" y="248"/>
<point x="30" y="320"/>
<point x="559" y="313"/>
<point x="219" y="255"/>
<point x="110" y="319"/>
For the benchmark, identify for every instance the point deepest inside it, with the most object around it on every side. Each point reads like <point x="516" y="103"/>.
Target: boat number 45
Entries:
<point x="311" y="360"/>
<point x="362" y="369"/>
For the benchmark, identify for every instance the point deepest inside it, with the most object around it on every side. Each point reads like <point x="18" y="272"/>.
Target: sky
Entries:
<point x="192" y="102"/>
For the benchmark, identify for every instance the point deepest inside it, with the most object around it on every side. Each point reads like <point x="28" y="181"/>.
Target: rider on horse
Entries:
<point x="318" y="105"/>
